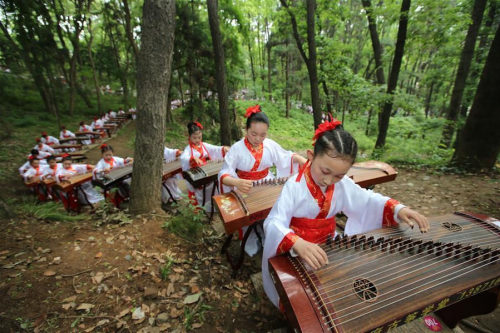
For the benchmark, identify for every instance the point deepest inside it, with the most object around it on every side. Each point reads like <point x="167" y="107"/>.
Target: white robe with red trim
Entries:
<point x="65" y="134"/>
<point x="102" y="165"/>
<point x="240" y="158"/>
<point x="86" y="128"/>
<point x="32" y="172"/>
<point x="216" y="153"/>
<point x="50" y="140"/>
<point x="45" y="148"/>
<point x="49" y="173"/>
<point x="78" y="169"/>
<point x="169" y="155"/>
<point x="363" y="208"/>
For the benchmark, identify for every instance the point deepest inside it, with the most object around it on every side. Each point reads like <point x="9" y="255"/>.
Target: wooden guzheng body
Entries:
<point x="205" y="174"/>
<point x="388" y="277"/>
<point x="71" y="183"/>
<point x="171" y="168"/>
<point x="113" y="176"/>
<point x="239" y="210"/>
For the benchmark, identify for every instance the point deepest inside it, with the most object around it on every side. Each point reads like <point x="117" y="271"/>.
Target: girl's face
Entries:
<point x="35" y="163"/>
<point x="196" y="138"/>
<point x="67" y="164"/>
<point x="107" y="155"/>
<point x="257" y="133"/>
<point x="52" y="163"/>
<point x="327" y="170"/>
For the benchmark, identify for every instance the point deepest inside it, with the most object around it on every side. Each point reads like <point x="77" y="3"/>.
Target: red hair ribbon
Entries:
<point x="31" y="157"/>
<point x="198" y="124"/>
<point x="38" y="140"/>
<point x="326" y="126"/>
<point x="44" y="133"/>
<point x="65" y="155"/>
<point x="253" y="109"/>
<point x="103" y="145"/>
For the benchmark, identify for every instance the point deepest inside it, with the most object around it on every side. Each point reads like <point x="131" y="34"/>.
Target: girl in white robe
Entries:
<point x="197" y="153"/>
<point x="304" y="214"/>
<point x="251" y="158"/>
<point x="48" y="139"/>
<point x="40" y="146"/>
<point x="69" y="170"/>
<point x="109" y="162"/>
<point x="170" y="155"/>
<point x="85" y="128"/>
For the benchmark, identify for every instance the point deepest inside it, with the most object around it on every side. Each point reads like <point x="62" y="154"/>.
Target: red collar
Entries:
<point x="256" y="153"/>
<point x="324" y="201"/>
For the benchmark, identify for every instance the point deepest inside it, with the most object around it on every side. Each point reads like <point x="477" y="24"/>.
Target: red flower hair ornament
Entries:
<point x="325" y="127"/>
<point x="65" y="155"/>
<point x="198" y="124"/>
<point x="103" y="146"/>
<point x="253" y="109"/>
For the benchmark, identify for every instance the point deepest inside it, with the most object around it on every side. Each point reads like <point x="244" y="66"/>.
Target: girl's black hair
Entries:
<point x="337" y="141"/>
<point x="34" y="152"/>
<point x="192" y="128"/>
<point x="50" y="158"/>
<point x="259" y="117"/>
<point x="105" y="147"/>
<point x="34" y="159"/>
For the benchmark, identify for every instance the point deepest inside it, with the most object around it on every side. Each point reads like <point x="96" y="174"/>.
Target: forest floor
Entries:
<point x="138" y="277"/>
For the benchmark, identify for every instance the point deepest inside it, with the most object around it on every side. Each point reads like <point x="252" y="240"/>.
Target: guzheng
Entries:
<point x="238" y="210"/>
<point x="171" y="168"/>
<point x="71" y="183"/>
<point x="115" y="175"/>
<point x="388" y="277"/>
<point x="205" y="174"/>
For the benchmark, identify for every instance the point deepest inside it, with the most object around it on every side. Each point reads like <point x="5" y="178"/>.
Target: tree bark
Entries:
<point x="287" y="82"/>
<point x="377" y="49"/>
<point x="479" y="142"/>
<point x="385" y="115"/>
<point x="311" y="59"/>
<point x="462" y="72"/>
<point x="220" y="72"/>
<point x="128" y="29"/>
<point x="92" y="65"/>
<point x="153" y="76"/>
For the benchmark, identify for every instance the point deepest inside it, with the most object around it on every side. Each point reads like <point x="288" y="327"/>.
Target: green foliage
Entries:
<point x="186" y="221"/>
<point x="166" y="268"/>
<point x="49" y="211"/>
<point x="195" y="314"/>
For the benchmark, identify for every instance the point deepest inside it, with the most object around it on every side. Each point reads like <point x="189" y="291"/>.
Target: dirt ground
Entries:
<point x="77" y="277"/>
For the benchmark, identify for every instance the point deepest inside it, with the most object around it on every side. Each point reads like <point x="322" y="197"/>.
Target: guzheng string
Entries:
<point x="436" y="247"/>
<point x="466" y="270"/>
<point x="271" y="188"/>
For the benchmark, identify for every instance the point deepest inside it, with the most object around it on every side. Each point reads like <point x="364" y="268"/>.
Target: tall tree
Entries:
<point x="385" y="115"/>
<point x="479" y="143"/>
<point x="310" y="59"/>
<point x="462" y="72"/>
<point x="377" y="49"/>
<point x="153" y="76"/>
<point x="220" y="72"/>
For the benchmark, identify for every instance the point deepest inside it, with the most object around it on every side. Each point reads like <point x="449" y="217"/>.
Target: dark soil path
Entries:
<point x="64" y="276"/>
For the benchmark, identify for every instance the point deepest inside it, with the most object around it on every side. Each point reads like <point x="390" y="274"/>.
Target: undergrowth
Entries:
<point x="48" y="211"/>
<point x="187" y="221"/>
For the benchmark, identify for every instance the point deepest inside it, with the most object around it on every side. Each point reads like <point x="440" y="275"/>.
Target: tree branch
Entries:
<point x="295" y="31"/>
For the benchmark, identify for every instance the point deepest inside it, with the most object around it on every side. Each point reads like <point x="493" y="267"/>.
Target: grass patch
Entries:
<point x="49" y="211"/>
<point x="166" y="269"/>
<point x="186" y="221"/>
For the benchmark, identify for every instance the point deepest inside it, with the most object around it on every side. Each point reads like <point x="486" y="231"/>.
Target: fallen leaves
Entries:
<point x="49" y="273"/>
<point x="193" y="298"/>
<point x="85" y="307"/>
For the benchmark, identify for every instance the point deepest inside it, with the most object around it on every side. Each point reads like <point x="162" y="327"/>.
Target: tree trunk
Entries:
<point x="128" y="29"/>
<point x="377" y="49"/>
<point x="269" y="88"/>
<point x="220" y="72"/>
<point x="92" y="65"/>
<point x="153" y="76"/>
<point x="287" y="82"/>
<point x="367" y="130"/>
<point x="479" y="142"/>
<point x="462" y="72"/>
<point x="251" y="63"/>
<point x="384" y="116"/>
<point x="428" y="100"/>
<point x="311" y="59"/>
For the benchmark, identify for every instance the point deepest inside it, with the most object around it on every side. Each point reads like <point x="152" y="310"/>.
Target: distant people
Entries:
<point x="40" y="146"/>
<point x="49" y="140"/>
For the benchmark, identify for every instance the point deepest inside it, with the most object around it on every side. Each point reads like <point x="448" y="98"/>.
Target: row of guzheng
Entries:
<point x="106" y="180"/>
<point x="76" y="180"/>
<point x="205" y="174"/>
<point x="388" y="277"/>
<point x="238" y="210"/>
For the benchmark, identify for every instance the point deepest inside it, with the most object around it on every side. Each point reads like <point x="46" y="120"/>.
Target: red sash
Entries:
<point x="313" y="230"/>
<point x="202" y="157"/>
<point x="252" y="175"/>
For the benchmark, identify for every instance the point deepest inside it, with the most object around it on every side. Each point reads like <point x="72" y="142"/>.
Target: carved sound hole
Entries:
<point x="365" y="289"/>
<point x="451" y="226"/>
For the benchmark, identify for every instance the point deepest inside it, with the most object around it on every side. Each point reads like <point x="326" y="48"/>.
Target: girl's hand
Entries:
<point x="299" y="159"/>
<point x="312" y="253"/>
<point x="244" y="185"/>
<point x="226" y="149"/>
<point x="129" y="160"/>
<point x="408" y="216"/>
<point x="178" y="153"/>
<point x="198" y="161"/>
<point x="107" y="170"/>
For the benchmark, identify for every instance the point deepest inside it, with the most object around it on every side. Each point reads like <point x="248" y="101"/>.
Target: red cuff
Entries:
<point x="223" y="152"/>
<point x="221" y="184"/>
<point x="192" y="162"/>
<point x="287" y="243"/>
<point x="388" y="215"/>
<point x="89" y="167"/>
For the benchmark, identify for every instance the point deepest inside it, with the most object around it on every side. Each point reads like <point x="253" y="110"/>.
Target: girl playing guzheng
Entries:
<point x="87" y="194"/>
<point x="109" y="162"/>
<point x="170" y="155"/>
<point x="197" y="153"/>
<point x="251" y="158"/>
<point x="304" y="214"/>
